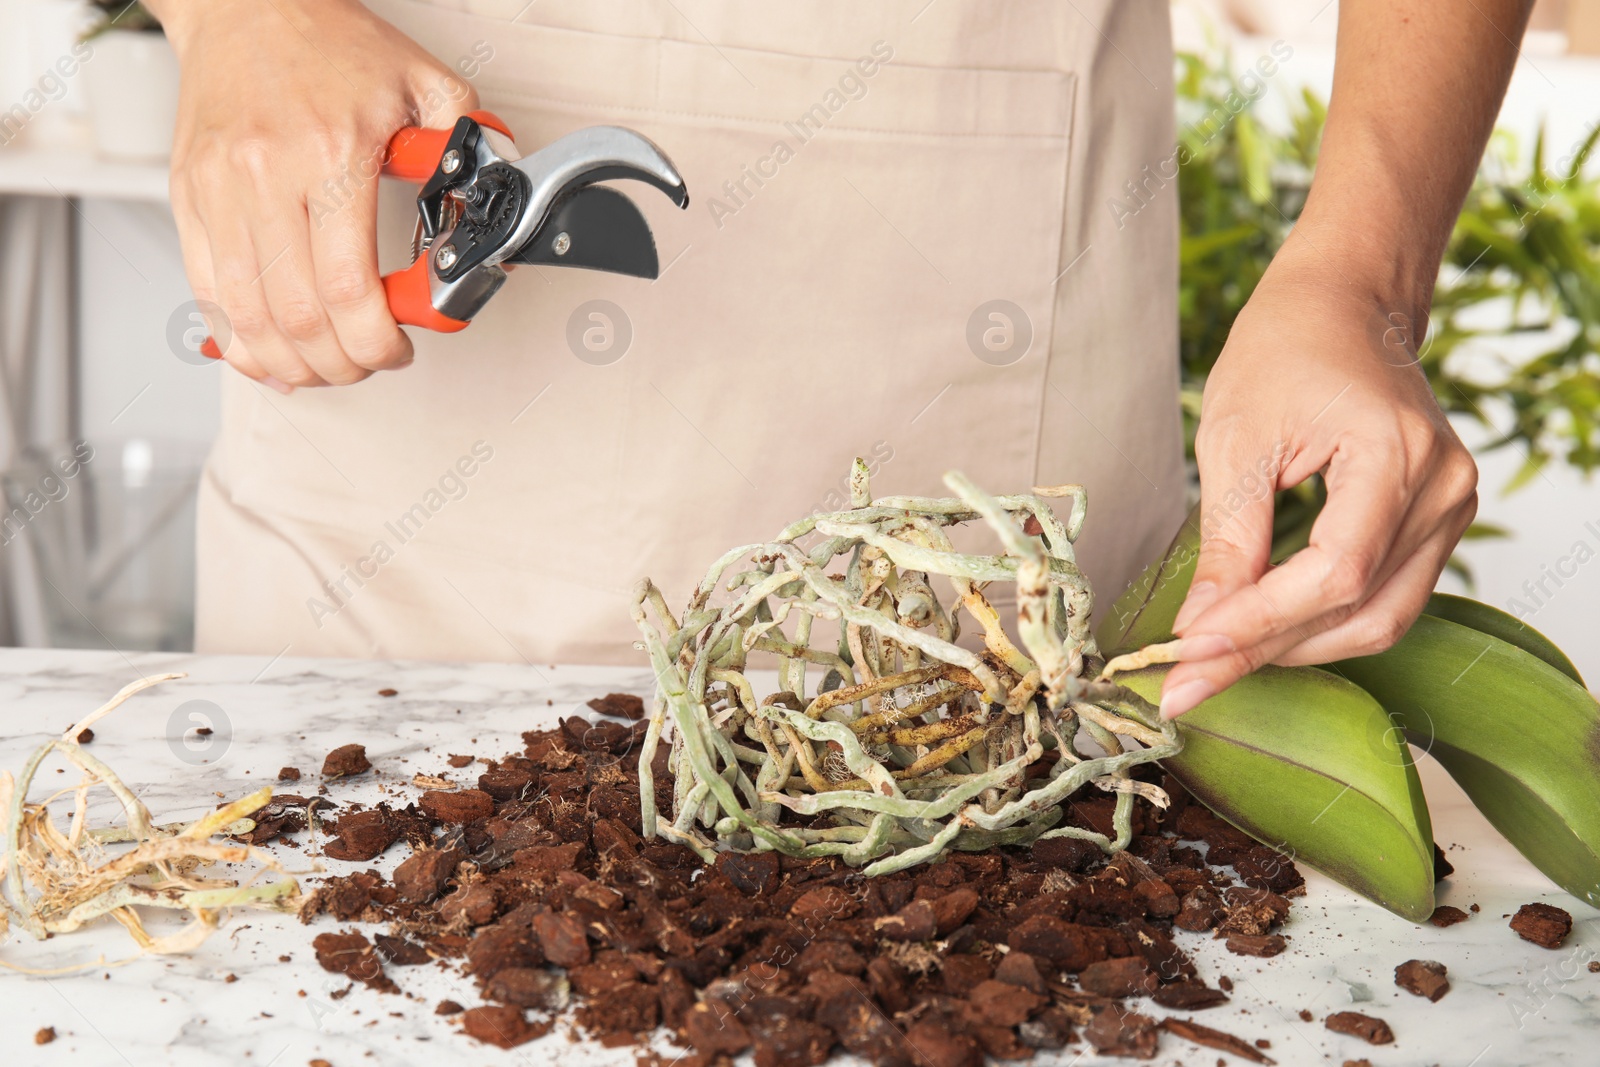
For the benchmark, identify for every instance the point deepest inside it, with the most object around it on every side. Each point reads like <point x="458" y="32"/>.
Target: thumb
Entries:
<point x="1237" y="479"/>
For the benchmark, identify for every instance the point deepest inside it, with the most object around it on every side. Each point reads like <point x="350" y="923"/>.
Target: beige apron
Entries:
<point x="867" y="181"/>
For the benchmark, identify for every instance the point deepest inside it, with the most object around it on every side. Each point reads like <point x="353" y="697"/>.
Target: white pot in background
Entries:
<point x="132" y="80"/>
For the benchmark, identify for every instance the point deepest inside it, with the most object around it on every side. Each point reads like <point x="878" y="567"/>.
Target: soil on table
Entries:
<point x="1425" y="978"/>
<point x="1544" y="924"/>
<point x="1372" y="1030"/>
<point x="622" y="705"/>
<point x="345" y="761"/>
<point x="539" y="886"/>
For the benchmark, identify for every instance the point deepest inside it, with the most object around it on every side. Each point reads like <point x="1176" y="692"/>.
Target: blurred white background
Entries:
<point x="130" y="278"/>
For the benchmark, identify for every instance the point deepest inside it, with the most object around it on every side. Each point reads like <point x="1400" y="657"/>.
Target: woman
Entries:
<point x="933" y="234"/>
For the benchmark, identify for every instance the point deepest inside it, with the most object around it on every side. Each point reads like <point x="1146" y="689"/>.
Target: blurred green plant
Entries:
<point x="1530" y="242"/>
<point x="120" y="15"/>
<point x="1241" y="185"/>
<point x="1524" y="259"/>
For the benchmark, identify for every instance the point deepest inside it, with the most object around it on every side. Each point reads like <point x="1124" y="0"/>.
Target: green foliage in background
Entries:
<point x="1522" y="260"/>
<point x="1530" y="242"/>
<point x="120" y="15"/>
<point x="1240" y="188"/>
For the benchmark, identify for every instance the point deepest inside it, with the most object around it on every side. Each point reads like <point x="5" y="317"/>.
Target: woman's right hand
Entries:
<point x="285" y="113"/>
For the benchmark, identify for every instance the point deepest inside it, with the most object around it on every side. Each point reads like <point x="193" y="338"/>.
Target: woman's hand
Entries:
<point x="1319" y="374"/>
<point x="285" y="112"/>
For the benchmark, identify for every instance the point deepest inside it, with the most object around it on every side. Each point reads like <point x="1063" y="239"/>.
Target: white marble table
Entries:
<point x="1512" y="1003"/>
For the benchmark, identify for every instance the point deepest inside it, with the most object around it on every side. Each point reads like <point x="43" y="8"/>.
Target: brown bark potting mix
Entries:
<point x="538" y="885"/>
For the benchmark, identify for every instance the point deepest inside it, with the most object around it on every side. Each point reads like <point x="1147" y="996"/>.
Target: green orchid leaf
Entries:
<point x="1311" y="765"/>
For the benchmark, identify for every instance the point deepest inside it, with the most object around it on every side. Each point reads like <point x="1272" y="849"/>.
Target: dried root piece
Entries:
<point x="886" y="742"/>
<point x="55" y="881"/>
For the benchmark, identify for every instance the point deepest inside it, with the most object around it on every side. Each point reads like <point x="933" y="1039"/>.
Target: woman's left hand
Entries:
<point x="1318" y="375"/>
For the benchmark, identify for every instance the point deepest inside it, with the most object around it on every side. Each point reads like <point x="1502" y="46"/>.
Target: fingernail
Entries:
<point x="1201" y="594"/>
<point x="1205" y="646"/>
<point x="279" y="386"/>
<point x="1185" y="697"/>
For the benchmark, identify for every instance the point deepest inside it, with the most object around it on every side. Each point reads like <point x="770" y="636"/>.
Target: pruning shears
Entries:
<point x="484" y="208"/>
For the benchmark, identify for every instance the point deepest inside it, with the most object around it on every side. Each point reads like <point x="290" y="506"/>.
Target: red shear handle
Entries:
<point x="411" y="299"/>
<point x="410" y="302"/>
<point x="413" y="156"/>
<point x="414" y="152"/>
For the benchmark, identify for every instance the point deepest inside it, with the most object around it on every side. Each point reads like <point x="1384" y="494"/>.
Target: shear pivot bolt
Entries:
<point x="446" y="257"/>
<point x="451" y="161"/>
<point x="561" y="243"/>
